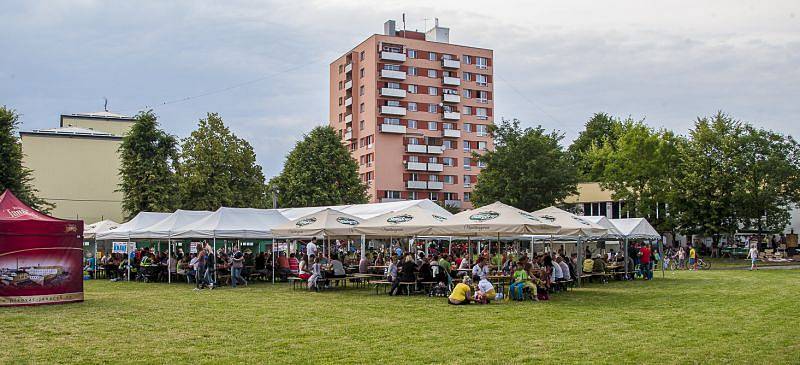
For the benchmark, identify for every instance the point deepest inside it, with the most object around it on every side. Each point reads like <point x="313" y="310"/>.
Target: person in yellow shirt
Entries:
<point x="462" y="293"/>
<point x="692" y="258"/>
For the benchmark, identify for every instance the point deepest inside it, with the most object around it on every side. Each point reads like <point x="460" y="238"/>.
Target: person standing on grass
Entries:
<point x="210" y="266"/>
<point x="692" y="258"/>
<point x="237" y="264"/>
<point x="200" y="269"/>
<point x="311" y="248"/>
<point x="644" y="260"/>
<point x="681" y="258"/>
<point x="753" y="255"/>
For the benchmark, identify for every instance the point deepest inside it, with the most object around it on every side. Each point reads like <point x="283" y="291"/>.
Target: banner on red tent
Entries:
<point x="40" y="256"/>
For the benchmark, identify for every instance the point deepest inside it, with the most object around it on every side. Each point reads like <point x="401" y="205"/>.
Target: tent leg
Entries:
<point x="215" y="260"/>
<point x="272" y="248"/>
<point x="363" y="246"/>
<point x="169" y="260"/>
<point x="469" y="251"/>
<point x="578" y="272"/>
<point x="627" y="257"/>
<point x="661" y="254"/>
<point x="127" y="252"/>
<point x="450" y="246"/>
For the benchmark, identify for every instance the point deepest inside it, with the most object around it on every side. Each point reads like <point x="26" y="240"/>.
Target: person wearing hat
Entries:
<point x="599" y="264"/>
<point x="462" y="293"/>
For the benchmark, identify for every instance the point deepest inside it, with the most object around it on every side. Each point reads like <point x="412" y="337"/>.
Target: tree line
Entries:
<point x="213" y="168"/>
<point x="724" y="176"/>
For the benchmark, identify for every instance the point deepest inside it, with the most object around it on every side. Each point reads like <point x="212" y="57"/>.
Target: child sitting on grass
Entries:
<point x="484" y="292"/>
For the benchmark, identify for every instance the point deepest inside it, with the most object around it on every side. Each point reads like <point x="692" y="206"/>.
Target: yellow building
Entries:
<point x="594" y="200"/>
<point x="76" y="165"/>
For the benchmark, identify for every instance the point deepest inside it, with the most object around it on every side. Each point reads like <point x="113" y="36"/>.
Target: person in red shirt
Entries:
<point x="283" y="266"/>
<point x="294" y="265"/>
<point x="644" y="262"/>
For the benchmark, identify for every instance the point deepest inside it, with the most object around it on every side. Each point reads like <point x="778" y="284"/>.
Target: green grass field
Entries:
<point x="688" y="317"/>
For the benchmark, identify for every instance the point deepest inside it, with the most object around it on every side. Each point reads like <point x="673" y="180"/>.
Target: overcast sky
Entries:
<point x="264" y="65"/>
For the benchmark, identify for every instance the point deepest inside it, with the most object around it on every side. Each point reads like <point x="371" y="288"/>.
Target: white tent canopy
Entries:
<point x="169" y="226"/>
<point x="247" y="223"/>
<point x="571" y="224"/>
<point x="366" y="211"/>
<point x="140" y="221"/>
<point x="411" y="221"/>
<point x="493" y="219"/>
<point x="604" y="222"/>
<point x="327" y="222"/>
<point x="90" y="230"/>
<point x="635" y="228"/>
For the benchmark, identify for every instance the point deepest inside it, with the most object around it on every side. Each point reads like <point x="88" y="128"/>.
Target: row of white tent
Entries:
<point x="393" y="219"/>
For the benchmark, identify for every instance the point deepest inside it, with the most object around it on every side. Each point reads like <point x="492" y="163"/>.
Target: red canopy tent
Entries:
<point x="40" y="256"/>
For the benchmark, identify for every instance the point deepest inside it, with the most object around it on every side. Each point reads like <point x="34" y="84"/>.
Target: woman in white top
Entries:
<point x="304" y="272"/>
<point x="391" y="270"/>
<point x="316" y="273"/>
<point x="681" y="258"/>
<point x="753" y="255"/>
<point x="485" y="290"/>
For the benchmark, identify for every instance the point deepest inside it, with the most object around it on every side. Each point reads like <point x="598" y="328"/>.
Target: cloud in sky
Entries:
<point x="556" y="62"/>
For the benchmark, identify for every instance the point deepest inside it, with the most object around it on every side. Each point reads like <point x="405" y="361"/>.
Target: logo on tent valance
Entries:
<point x="305" y="221"/>
<point x="347" y="221"/>
<point x="484" y="216"/>
<point x="400" y="219"/>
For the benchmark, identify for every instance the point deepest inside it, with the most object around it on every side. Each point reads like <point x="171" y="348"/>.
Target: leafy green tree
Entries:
<point x="640" y="169"/>
<point x="528" y="168"/>
<point x="147" y="154"/>
<point x="319" y="171"/>
<point x="767" y="168"/>
<point x="217" y="169"/>
<point x="13" y="175"/>
<point x="705" y="197"/>
<point x="601" y="130"/>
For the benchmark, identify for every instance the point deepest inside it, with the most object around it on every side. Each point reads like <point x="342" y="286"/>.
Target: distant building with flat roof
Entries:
<point x="76" y="165"/>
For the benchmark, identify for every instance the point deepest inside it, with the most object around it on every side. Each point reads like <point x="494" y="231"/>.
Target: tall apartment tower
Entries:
<point x="413" y="108"/>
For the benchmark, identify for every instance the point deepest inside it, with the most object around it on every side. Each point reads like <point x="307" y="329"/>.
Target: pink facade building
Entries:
<point x="413" y="108"/>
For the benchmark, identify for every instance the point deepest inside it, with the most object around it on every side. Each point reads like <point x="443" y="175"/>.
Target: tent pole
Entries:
<point x="661" y="254"/>
<point x="450" y="246"/>
<point x="531" y="250"/>
<point x="498" y="250"/>
<point x="94" y="269"/>
<point x="363" y="246"/>
<point x="214" y="249"/>
<point x="272" y="248"/>
<point x="580" y="261"/>
<point x="169" y="259"/>
<point x="627" y="257"/>
<point x="127" y="253"/>
<point x="469" y="251"/>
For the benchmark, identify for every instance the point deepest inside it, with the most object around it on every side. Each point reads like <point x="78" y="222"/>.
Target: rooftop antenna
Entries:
<point x="105" y="105"/>
<point x="426" y="24"/>
<point x="404" y="25"/>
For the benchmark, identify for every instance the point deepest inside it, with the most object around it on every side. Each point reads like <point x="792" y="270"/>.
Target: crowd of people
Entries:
<point x="465" y="277"/>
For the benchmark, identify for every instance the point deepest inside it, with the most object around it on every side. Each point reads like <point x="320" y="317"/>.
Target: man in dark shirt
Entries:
<point x="407" y="274"/>
<point x="425" y="273"/>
